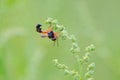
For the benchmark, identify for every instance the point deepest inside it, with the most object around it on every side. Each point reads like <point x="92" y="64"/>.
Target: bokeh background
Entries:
<point x="26" y="56"/>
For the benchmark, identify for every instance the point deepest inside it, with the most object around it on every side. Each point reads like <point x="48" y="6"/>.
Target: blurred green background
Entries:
<point x="26" y="56"/>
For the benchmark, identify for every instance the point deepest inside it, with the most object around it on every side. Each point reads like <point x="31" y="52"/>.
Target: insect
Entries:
<point x="47" y="33"/>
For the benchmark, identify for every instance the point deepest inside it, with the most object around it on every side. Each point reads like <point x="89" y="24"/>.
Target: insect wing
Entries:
<point x="44" y="35"/>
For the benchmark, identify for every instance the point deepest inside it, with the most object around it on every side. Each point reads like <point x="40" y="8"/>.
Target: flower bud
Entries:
<point x="66" y="72"/>
<point x="60" y="27"/>
<point x="49" y="20"/>
<point x="90" y="48"/>
<point x="55" y="21"/>
<point x="64" y="34"/>
<point x="91" y="66"/>
<point x="89" y="74"/>
<point x="72" y="37"/>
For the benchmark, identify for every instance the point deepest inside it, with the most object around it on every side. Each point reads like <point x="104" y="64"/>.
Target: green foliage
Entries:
<point x="66" y="69"/>
<point x="75" y="50"/>
<point x="26" y="56"/>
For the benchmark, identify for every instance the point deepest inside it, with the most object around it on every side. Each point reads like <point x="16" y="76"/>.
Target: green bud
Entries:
<point x="86" y="58"/>
<point x="91" y="66"/>
<point x="89" y="74"/>
<point x="75" y="48"/>
<point x="72" y="37"/>
<point x="64" y="34"/>
<point x="64" y="67"/>
<point x="90" y="48"/>
<point x="87" y="54"/>
<point x="49" y="20"/>
<point x="55" y="61"/>
<point x="81" y="61"/>
<point x="66" y="72"/>
<point x="60" y="66"/>
<point x="60" y="27"/>
<point x="75" y="45"/>
<point x="76" y="74"/>
<point x="55" y="21"/>
<point x="90" y="79"/>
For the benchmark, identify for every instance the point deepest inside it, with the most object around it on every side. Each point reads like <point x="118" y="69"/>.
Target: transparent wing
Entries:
<point x="44" y="35"/>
